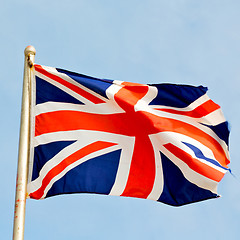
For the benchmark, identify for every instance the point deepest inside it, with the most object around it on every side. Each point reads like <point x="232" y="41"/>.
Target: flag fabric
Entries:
<point x="163" y="142"/>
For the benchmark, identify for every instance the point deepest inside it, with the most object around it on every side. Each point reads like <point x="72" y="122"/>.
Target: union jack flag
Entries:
<point x="163" y="142"/>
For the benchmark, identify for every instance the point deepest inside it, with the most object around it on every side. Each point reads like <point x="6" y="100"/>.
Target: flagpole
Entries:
<point x="23" y="152"/>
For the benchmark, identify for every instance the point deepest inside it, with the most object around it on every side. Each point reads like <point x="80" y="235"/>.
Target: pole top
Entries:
<point x="29" y="50"/>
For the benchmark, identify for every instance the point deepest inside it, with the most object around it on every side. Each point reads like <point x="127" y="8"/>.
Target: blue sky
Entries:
<point x="145" y="41"/>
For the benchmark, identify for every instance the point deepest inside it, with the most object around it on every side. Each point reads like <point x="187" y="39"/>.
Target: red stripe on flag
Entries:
<point x="195" y="164"/>
<point x="130" y="124"/>
<point x="142" y="171"/>
<point x="67" y="84"/>
<point x="199" y="112"/>
<point x="67" y="162"/>
<point x="128" y="96"/>
<point x="172" y="125"/>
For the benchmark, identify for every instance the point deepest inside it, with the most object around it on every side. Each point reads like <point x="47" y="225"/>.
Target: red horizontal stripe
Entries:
<point x="199" y="112"/>
<point x="195" y="164"/>
<point x="131" y="124"/>
<point x="67" y="84"/>
<point x="67" y="162"/>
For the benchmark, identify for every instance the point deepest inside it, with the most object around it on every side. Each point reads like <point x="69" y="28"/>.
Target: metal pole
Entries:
<point x="23" y="152"/>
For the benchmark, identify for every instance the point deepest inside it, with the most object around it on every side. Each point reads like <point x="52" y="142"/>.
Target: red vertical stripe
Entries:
<point x="142" y="171"/>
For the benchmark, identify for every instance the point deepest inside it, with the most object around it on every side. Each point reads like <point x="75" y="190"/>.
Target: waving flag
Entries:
<point x="163" y="142"/>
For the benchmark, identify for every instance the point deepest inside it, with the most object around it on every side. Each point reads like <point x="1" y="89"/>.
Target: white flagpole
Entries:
<point x="23" y="152"/>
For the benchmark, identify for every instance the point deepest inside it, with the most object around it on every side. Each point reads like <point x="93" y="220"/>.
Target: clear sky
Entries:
<point x="145" y="41"/>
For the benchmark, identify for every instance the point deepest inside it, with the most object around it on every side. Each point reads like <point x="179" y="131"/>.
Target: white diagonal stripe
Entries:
<point x="73" y="82"/>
